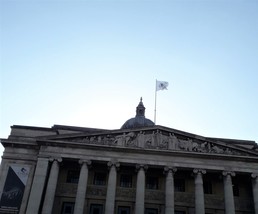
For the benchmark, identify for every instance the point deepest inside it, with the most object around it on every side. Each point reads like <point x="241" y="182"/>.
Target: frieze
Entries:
<point x="212" y="201"/>
<point x="154" y="195"/>
<point x="66" y="189"/>
<point x="184" y="198"/>
<point x="96" y="191"/>
<point x="125" y="192"/>
<point x="158" y="140"/>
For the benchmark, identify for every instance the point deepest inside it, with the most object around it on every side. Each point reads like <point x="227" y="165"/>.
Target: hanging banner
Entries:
<point x="14" y="186"/>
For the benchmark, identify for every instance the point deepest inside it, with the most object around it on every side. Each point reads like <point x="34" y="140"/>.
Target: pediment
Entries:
<point x="156" y="138"/>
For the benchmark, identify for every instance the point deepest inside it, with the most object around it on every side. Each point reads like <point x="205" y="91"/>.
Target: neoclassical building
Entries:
<point x="141" y="168"/>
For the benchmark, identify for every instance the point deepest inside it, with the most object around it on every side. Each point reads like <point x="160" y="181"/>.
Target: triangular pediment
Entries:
<point x="156" y="138"/>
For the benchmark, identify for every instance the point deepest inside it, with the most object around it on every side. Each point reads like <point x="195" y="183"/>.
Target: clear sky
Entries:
<point x="87" y="63"/>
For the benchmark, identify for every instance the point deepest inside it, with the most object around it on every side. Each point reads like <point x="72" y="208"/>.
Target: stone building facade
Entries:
<point x="141" y="168"/>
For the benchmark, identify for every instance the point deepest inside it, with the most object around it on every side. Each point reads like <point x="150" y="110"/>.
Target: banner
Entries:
<point x="14" y="186"/>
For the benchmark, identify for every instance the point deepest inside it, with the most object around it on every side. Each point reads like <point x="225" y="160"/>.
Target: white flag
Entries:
<point x="161" y="85"/>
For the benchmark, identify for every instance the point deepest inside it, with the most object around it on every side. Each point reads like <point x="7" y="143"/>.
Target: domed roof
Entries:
<point x="139" y="120"/>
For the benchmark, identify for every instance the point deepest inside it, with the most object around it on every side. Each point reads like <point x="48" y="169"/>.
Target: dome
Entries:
<point x="139" y="120"/>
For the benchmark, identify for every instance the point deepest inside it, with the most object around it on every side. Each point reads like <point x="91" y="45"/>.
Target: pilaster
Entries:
<point x="37" y="186"/>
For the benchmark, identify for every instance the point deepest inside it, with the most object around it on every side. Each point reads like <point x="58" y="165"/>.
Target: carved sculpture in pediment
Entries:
<point x="130" y="139"/>
<point x="141" y="139"/>
<point x="186" y="145"/>
<point x="162" y="141"/>
<point x="157" y="139"/>
<point x="120" y="140"/>
<point x="150" y="142"/>
<point x="85" y="140"/>
<point x="109" y="140"/>
<point x="173" y="142"/>
<point x="216" y="149"/>
<point x="93" y="139"/>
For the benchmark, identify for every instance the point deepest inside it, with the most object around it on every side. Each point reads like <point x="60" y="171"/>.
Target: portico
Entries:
<point x="141" y="168"/>
<point x="153" y="187"/>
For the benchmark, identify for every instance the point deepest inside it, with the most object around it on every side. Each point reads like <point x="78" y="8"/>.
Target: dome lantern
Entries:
<point x="139" y="120"/>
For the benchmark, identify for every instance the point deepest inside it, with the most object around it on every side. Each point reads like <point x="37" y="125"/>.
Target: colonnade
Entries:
<point x="41" y="171"/>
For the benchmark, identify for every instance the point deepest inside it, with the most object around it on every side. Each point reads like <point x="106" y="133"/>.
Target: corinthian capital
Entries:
<point x="168" y="169"/>
<point x="82" y="161"/>
<point x="201" y="171"/>
<point x="141" y="166"/>
<point x="113" y="163"/>
<point x="254" y="175"/>
<point x="231" y="173"/>
<point x="58" y="159"/>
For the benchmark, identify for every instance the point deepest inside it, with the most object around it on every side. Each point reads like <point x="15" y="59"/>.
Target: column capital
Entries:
<point x="199" y="171"/>
<point x="168" y="169"/>
<point x="254" y="175"/>
<point x="82" y="161"/>
<point x="58" y="159"/>
<point x="231" y="173"/>
<point x="113" y="163"/>
<point x="141" y="166"/>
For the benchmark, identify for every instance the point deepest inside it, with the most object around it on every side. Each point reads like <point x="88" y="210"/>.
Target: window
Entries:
<point x="179" y="185"/>
<point x="179" y="212"/>
<point x="235" y="189"/>
<point x="67" y="208"/>
<point x="152" y="182"/>
<point x="73" y="176"/>
<point x="99" y="178"/>
<point x="207" y="187"/>
<point x="123" y="210"/>
<point x="125" y="180"/>
<point x="96" y="209"/>
<point x="151" y="211"/>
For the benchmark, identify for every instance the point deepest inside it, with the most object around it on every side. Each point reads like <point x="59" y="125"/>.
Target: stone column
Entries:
<point x="169" y="197"/>
<point x="255" y="191"/>
<point x="228" y="192"/>
<point x="51" y="187"/>
<point x="82" y="187"/>
<point x="140" y="189"/>
<point x="111" y="188"/>
<point x="37" y="186"/>
<point x="199" y="193"/>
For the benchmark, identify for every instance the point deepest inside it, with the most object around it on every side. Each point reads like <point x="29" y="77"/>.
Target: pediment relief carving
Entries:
<point x="159" y="140"/>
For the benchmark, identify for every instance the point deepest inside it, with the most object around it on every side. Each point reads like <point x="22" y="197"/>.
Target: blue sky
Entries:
<point x="87" y="63"/>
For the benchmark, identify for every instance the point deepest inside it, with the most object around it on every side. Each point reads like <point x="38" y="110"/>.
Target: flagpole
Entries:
<point x="155" y="103"/>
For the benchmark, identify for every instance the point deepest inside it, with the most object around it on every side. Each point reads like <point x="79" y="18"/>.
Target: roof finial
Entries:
<point x="141" y="99"/>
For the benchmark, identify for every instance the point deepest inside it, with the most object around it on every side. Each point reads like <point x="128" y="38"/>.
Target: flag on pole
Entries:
<point x="161" y="85"/>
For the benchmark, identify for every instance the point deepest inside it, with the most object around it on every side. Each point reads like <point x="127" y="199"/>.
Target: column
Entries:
<point x="169" y="197"/>
<point x="51" y="186"/>
<point x="228" y="192"/>
<point x="111" y="189"/>
<point x="37" y="186"/>
<point x="199" y="193"/>
<point x="255" y="191"/>
<point x="140" y="189"/>
<point x="82" y="187"/>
